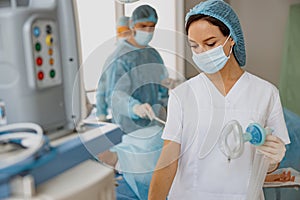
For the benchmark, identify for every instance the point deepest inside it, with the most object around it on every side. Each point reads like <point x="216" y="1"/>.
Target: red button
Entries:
<point x="40" y="75"/>
<point x="39" y="61"/>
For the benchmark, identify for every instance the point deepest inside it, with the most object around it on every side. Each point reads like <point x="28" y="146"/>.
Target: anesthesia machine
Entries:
<point x="42" y="97"/>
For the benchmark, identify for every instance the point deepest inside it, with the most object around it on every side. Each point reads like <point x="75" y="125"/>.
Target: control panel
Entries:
<point x="46" y="55"/>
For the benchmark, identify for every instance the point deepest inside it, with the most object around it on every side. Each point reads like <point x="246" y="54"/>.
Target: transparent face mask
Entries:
<point x="233" y="139"/>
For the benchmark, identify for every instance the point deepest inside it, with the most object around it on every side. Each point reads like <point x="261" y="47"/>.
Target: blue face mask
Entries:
<point x="213" y="60"/>
<point x="143" y="37"/>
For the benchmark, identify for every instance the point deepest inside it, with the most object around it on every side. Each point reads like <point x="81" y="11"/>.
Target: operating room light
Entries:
<point x="127" y="1"/>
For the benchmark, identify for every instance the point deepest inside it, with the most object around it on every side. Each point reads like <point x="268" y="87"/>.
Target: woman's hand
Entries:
<point x="273" y="148"/>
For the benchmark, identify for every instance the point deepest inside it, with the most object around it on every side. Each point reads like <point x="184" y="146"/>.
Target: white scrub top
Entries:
<point x="251" y="99"/>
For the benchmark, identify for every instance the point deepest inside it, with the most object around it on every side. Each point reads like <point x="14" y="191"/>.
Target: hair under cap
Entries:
<point x="144" y="13"/>
<point x="223" y="12"/>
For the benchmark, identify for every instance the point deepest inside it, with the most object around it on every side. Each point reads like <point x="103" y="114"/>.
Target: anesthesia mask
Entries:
<point x="232" y="138"/>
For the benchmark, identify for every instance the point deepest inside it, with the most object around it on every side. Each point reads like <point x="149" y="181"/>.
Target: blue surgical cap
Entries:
<point x="223" y="12"/>
<point x="144" y="13"/>
<point x="123" y="21"/>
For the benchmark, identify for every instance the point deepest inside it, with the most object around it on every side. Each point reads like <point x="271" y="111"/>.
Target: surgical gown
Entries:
<point x="132" y="76"/>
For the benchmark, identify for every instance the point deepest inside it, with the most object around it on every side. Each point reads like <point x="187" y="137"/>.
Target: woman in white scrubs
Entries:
<point x="192" y="164"/>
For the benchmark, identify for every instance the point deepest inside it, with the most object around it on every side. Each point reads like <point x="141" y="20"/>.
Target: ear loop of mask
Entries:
<point x="230" y="52"/>
<point x="226" y="40"/>
<point x="231" y="46"/>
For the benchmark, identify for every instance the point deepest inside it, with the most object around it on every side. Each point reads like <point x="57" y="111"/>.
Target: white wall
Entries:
<point x="97" y="32"/>
<point x="264" y="25"/>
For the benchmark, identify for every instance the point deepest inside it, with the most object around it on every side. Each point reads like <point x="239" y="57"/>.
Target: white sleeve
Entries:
<point x="173" y="127"/>
<point x="276" y="120"/>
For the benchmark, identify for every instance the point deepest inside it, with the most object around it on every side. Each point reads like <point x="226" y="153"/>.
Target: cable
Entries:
<point x="30" y="136"/>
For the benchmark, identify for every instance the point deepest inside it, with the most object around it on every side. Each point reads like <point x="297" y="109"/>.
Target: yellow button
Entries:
<point x="49" y="40"/>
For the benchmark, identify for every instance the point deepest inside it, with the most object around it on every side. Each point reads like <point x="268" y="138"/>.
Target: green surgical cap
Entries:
<point x="223" y="12"/>
<point x="144" y="13"/>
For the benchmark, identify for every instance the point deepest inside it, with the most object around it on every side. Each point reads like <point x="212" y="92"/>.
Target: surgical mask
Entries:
<point x="143" y="37"/>
<point x="212" y="60"/>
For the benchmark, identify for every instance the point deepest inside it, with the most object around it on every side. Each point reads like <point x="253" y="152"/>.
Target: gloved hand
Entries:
<point x="143" y="111"/>
<point x="273" y="148"/>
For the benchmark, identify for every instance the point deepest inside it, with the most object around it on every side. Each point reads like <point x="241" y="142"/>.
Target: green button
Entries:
<point x="38" y="46"/>
<point x="52" y="73"/>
